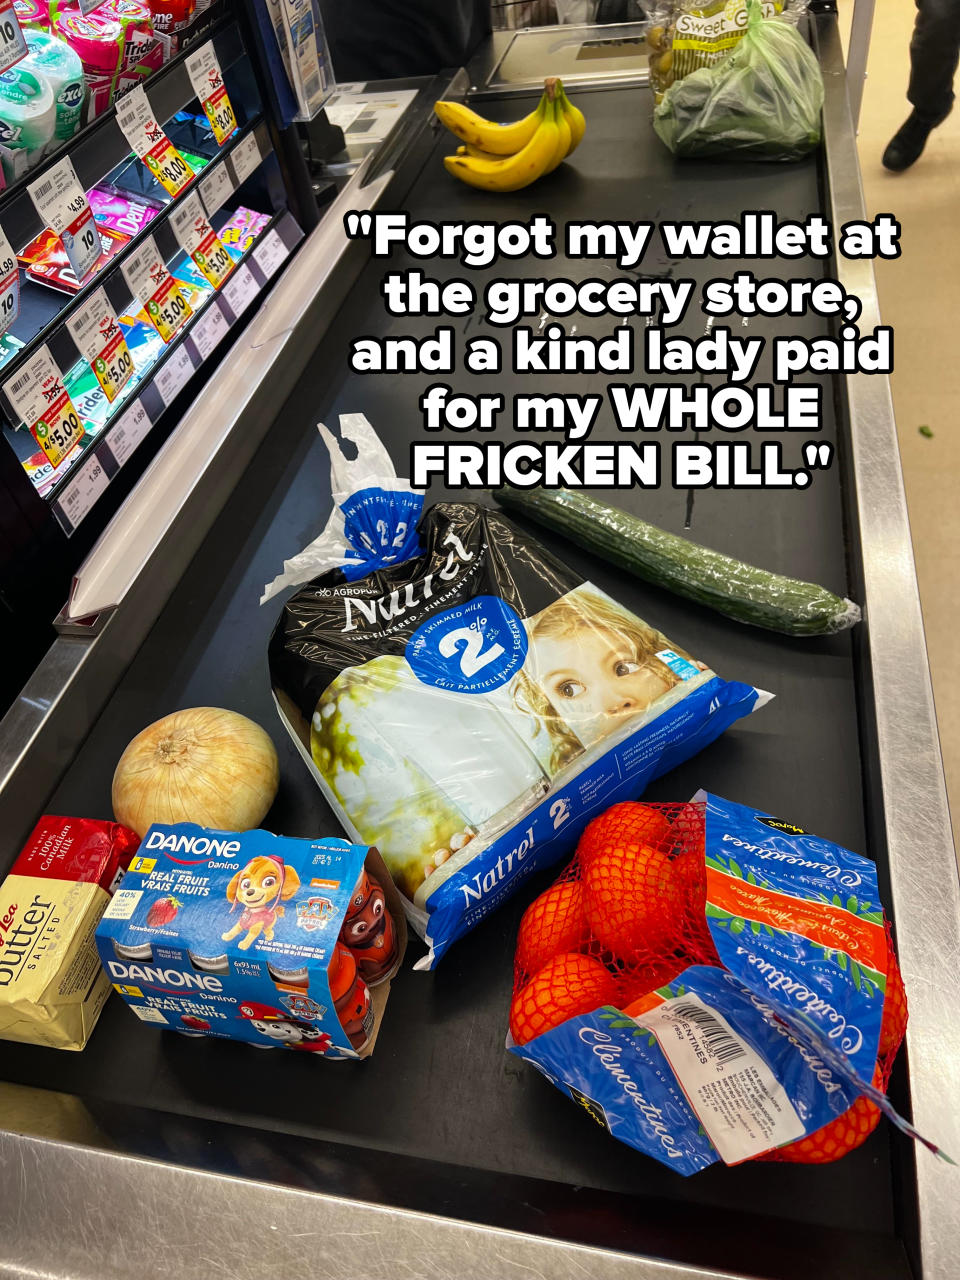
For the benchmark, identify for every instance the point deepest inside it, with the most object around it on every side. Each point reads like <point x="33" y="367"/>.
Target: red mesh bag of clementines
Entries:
<point x="628" y="915"/>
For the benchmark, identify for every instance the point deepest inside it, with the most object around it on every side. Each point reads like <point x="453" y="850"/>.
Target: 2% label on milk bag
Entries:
<point x="148" y="139"/>
<point x="39" y="397"/>
<point x="149" y="280"/>
<point x="96" y="331"/>
<point x="62" y="204"/>
<point x="9" y="284"/>
<point x="13" y="44"/>
<point x="198" y="238"/>
<point x="203" y="68"/>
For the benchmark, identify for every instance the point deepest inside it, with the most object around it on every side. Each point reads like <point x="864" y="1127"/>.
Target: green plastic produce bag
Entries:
<point x="762" y="100"/>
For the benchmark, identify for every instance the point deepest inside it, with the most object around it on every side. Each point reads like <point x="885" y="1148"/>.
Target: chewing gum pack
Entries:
<point x="278" y="942"/>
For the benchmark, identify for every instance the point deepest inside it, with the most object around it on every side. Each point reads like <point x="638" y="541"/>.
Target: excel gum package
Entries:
<point x="466" y="701"/>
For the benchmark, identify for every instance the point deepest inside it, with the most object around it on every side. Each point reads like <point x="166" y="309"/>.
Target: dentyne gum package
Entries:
<point x="51" y="985"/>
<point x="256" y="937"/>
<point x="466" y="701"/>
<point x="712" y="983"/>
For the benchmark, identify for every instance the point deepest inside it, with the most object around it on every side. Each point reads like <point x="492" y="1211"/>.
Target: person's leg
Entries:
<point x="934" y="52"/>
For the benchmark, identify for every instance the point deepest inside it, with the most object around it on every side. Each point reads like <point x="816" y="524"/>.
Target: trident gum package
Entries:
<point x="256" y="937"/>
<point x="51" y="985"/>
<point x="466" y="701"/>
<point x="712" y="983"/>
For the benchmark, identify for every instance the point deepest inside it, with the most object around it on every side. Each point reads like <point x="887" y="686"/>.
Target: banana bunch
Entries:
<point x="506" y="157"/>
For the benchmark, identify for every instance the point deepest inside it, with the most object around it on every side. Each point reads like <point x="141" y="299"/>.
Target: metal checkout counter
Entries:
<point x="442" y="1155"/>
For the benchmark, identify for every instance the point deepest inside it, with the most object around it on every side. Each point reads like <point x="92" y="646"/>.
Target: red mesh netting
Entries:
<point x="625" y="917"/>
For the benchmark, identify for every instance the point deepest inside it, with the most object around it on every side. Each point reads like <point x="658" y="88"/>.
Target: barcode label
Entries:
<point x="18" y="384"/>
<point x="43" y="189"/>
<point x="719" y="1042"/>
<point x="731" y="1088"/>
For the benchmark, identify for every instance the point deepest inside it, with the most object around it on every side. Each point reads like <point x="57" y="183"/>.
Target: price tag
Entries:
<point x="245" y="157"/>
<point x="149" y="280"/>
<point x="200" y="241"/>
<point x="79" y="496"/>
<point x="210" y="328"/>
<point x="13" y="45"/>
<point x="99" y="338"/>
<point x="128" y="432"/>
<point x="174" y="376"/>
<point x="9" y="284"/>
<point x="241" y="289"/>
<point x="215" y="187"/>
<point x="147" y="138"/>
<point x="207" y="80"/>
<point x="60" y="201"/>
<point x="39" y="397"/>
<point x="270" y="253"/>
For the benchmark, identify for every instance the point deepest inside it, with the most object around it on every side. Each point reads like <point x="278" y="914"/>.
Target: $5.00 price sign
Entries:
<point x="13" y="45"/>
<point x="9" y="284"/>
<point x="38" y="395"/>
<point x="149" y="280"/>
<point x="62" y="204"/>
<point x="99" y="338"/>
<point x="198" y="238"/>
<point x="203" y="68"/>
<point x="147" y="138"/>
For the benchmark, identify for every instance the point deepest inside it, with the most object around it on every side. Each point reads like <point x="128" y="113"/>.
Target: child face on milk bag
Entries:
<point x="428" y="775"/>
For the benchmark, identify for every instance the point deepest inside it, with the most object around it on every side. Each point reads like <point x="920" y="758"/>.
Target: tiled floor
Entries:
<point x="918" y="296"/>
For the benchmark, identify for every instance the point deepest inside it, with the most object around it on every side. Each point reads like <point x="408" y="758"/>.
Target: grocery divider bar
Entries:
<point x="912" y="798"/>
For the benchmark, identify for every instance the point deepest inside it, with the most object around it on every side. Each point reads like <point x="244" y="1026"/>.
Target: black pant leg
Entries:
<point x="934" y="51"/>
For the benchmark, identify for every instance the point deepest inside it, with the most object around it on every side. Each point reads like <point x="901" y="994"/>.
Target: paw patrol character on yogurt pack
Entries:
<point x="368" y="932"/>
<point x="294" y="1035"/>
<point x="260" y="888"/>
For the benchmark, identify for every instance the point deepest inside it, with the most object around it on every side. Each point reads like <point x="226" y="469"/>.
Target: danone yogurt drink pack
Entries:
<point x="712" y="983"/>
<point x="256" y="937"/>
<point x="464" y="700"/>
<point x="52" y="987"/>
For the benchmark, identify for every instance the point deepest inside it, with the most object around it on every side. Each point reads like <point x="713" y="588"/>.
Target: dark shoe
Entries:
<point x="906" y="145"/>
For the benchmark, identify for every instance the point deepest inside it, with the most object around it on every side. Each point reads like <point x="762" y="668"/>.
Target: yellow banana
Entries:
<point x="487" y="135"/>
<point x="469" y="150"/>
<point x="512" y="172"/>
<point x="575" y="119"/>
<point x="555" y="113"/>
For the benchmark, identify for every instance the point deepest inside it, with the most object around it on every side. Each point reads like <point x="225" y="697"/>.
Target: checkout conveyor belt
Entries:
<point x="441" y="1119"/>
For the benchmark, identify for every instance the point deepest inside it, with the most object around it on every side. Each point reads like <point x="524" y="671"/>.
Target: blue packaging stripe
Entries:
<point x="550" y="831"/>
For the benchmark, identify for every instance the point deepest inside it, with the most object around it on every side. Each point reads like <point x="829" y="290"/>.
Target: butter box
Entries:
<point x="52" y="987"/>
<point x="279" y="942"/>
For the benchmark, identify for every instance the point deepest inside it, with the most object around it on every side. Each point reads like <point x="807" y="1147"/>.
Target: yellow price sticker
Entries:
<point x="114" y="367"/>
<point x="168" y="310"/>
<point x="168" y="166"/>
<point x="213" y="260"/>
<point x="219" y="111"/>
<point x="59" y="430"/>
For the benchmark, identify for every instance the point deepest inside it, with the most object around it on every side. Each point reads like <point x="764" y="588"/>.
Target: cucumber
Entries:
<point x="741" y="591"/>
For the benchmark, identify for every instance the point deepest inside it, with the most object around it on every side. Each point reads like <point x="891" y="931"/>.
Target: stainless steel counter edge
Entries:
<point x="921" y="854"/>
<point x="132" y="569"/>
<point x="193" y="1225"/>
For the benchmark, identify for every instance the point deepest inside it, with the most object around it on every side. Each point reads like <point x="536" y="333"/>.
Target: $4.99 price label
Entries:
<point x="62" y="204"/>
<point x="99" y="338"/>
<point x="149" y="280"/>
<point x="39" y="397"/>
<point x="147" y="138"/>
<point x="198" y="238"/>
<point x="203" y="68"/>
<point x="9" y="284"/>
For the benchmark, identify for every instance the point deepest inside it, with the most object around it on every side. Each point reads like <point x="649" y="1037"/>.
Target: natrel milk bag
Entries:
<point x="465" y="701"/>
